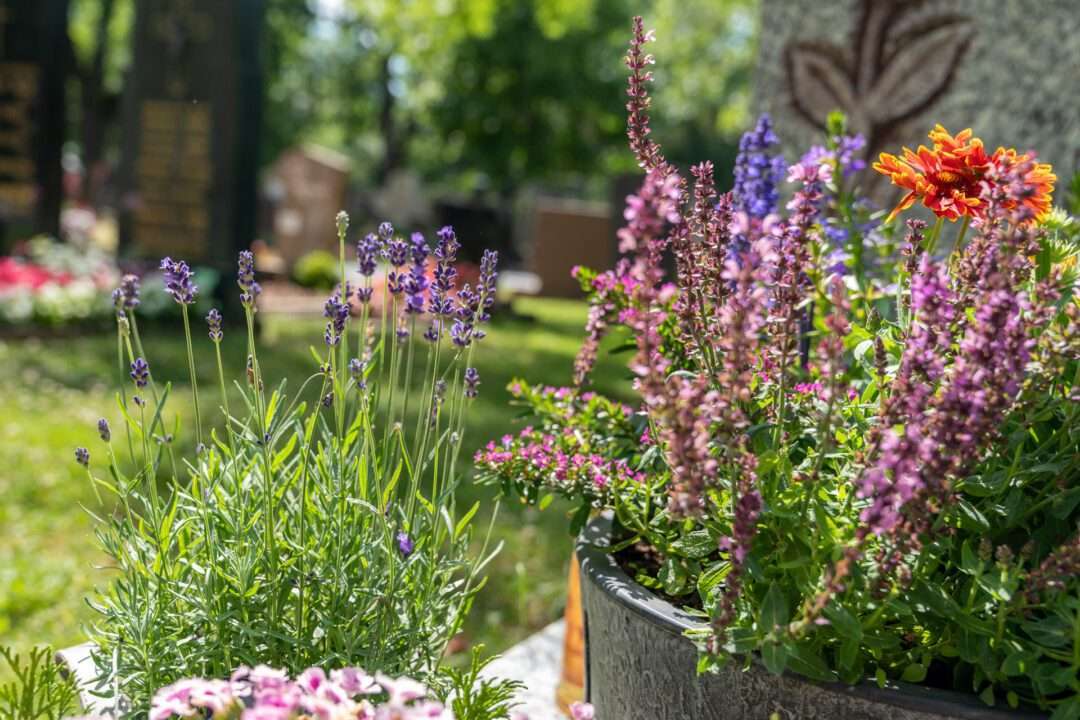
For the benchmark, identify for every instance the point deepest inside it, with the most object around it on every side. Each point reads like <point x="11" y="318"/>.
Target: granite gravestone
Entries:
<point x="191" y="117"/>
<point x="1009" y="69"/>
<point x="311" y="182"/>
<point x="32" y="41"/>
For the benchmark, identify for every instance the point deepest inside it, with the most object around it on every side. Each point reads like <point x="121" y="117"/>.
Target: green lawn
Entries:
<point x="52" y="393"/>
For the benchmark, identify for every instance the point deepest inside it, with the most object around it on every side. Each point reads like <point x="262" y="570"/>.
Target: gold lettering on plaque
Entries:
<point x="174" y="175"/>
<point x="18" y="176"/>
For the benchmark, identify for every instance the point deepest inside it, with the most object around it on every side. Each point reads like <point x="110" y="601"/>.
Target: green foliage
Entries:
<point x="857" y="470"/>
<point x="317" y="269"/>
<point x="472" y="697"/>
<point x="39" y="690"/>
<point x="304" y="531"/>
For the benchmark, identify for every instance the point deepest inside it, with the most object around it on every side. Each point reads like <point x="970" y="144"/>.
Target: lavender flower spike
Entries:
<point x="82" y="456"/>
<point x="405" y="544"/>
<point x="178" y="281"/>
<point x="103" y="430"/>
<point x="472" y="382"/>
<point x="140" y="372"/>
<point x="127" y="295"/>
<point x="338" y="313"/>
<point x="213" y="324"/>
<point x="245" y="278"/>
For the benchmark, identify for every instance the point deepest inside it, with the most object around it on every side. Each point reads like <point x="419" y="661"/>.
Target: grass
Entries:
<point x="53" y="391"/>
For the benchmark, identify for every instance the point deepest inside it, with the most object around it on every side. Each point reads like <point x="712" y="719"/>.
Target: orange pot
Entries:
<point x="571" y="687"/>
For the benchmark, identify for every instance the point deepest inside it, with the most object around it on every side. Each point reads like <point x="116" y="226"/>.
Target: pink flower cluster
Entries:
<point x="559" y="462"/>
<point x="264" y="693"/>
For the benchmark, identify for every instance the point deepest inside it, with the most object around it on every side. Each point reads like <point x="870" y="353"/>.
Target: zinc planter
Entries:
<point x="638" y="666"/>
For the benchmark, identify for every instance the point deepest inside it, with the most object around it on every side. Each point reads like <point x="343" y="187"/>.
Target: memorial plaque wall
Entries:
<point x="31" y="116"/>
<point x="192" y="108"/>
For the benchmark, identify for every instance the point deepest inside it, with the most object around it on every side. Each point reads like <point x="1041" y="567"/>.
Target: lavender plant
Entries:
<point x="852" y="470"/>
<point x="315" y="523"/>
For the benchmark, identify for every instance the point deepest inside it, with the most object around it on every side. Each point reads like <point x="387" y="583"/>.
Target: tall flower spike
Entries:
<point x="757" y="172"/>
<point x="337" y="313"/>
<point x="178" y="281"/>
<point x="127" y="295"/>
<point x="472" y="382"/>
<point x="367" y="254"/>
<point x="213" y="324"/>
<point x="140" y="372"/>
<point x="445" y="273"/>
<point x="645" y="148"/>
<point x="245" y="278"/>
<point x="103" y="430"/>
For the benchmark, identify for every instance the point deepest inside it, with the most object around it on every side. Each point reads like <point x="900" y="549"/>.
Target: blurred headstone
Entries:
<point x="32" y="41"/>
<point x="191" y="117"/>
<point x="566" y="233"/>
<point x="479" y="227"/>
<point x="403" y="199"/>
<point x="1009" y="69"/>
<point x="310" y="187"/>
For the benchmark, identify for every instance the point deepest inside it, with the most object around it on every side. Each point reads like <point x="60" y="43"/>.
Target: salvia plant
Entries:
<point x="315" y="523"/>
<point x="854" y="455"/>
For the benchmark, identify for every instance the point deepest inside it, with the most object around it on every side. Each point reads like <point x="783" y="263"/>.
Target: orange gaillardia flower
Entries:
<point x="948" y="177"/>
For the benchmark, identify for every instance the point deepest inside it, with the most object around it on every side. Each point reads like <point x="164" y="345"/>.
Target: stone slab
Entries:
<point x="1009" y="69"/>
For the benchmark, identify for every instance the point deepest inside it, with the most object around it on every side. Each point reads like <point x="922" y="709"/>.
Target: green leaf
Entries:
<point x="1051" y="632"/>
<point x="674" y="577"/>
<point x="969" y="517"/>
<point x="774" y="610"/>
<point x="696" y="545"/>
<point x="580" y="517"/>
<point x="775" y="656"/>
<point x="808" y="661"/>
<point x="969" y="559"/>
<point x="987" y="695"/>
<point x="914" y="673"/>
<point x="1068" y="710"/>
<point x="847" y="625"/>
<point x="464" y="521"/>
<point x="880" y="678"/>
<point x="545" y="501"/>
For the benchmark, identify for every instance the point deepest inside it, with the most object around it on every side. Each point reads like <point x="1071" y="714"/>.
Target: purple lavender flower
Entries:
<point x="338" y="313"/>
<point x="103" y="430"/>
<point x="472" y="382"/>
<point x="127" y="295"/>
<point x="386" y="231"/>
<point x="328" y="399"/>
<point x="757" y="173"/>
<point x="488" y="283"/>
<point x="140" y="372"/>
<point x="367" y="254"/>
<point x="418" y="248"/>
<point x="245" y="278"/>
<point x="443" y="284"/>
<point x="434" y="331"/>
<point x="178" y="281"/>
<point x="356" y="368"/>
<point x="397" y="252"/>
<point x="405" y="544"/>
<point x="848" y="154"/>
<point x="213" y="324"/>
<point x="363" y="295"/>
<point x="82" y="456"/>
<point x="414" y="285"/>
